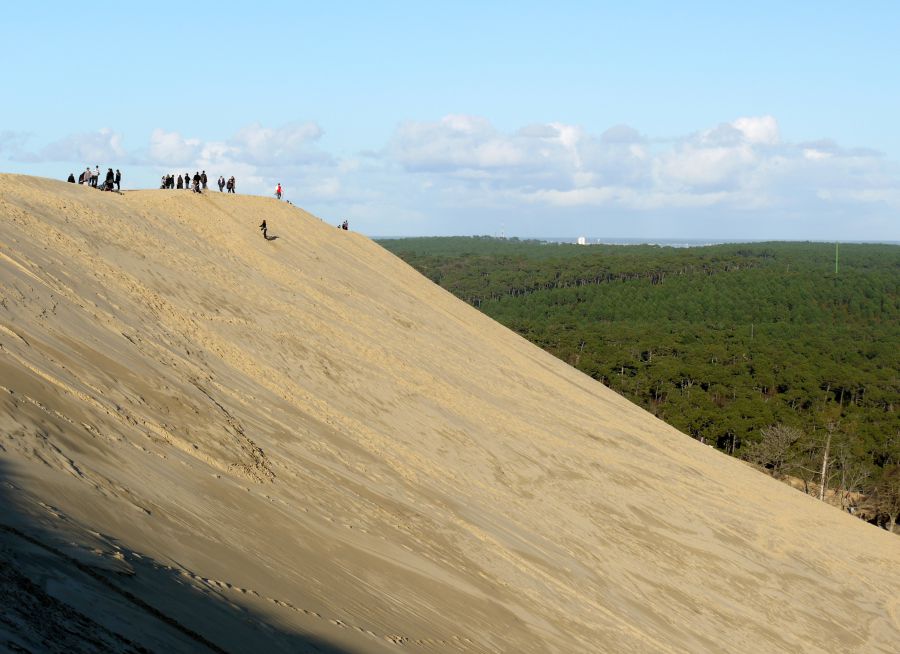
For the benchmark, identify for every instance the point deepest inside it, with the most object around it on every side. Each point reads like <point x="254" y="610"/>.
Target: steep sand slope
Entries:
<point x="212" y="441"/>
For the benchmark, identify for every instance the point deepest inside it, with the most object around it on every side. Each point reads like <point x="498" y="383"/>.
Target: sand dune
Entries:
<point x="209" y="441"/>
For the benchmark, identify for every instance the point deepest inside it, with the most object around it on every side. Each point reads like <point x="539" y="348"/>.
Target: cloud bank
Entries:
<point x="741" y="164"/>
<point x="463" y="165"/>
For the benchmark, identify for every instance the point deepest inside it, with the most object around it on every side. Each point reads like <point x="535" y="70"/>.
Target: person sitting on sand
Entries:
<point x="71" y="178"/>
<point x="263" y="227"/>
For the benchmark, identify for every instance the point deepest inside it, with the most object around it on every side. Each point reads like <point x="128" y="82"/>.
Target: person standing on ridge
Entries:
<point x="187" y="181"/>
<point x="95" y="176"/>
<point x="203" y="179"/>
<point x="118" y="180"/>
<point x="278" y="191"/>
<point x="221" y="183"/>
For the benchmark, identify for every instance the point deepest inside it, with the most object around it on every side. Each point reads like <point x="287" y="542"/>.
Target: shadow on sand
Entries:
<point x="65" y="588"/>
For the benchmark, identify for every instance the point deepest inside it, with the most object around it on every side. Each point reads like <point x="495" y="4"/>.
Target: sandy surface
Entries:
<point x="213" y="442"/>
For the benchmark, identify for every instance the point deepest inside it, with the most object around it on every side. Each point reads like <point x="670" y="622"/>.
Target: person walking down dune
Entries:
<point x="263" y="227"/>
<point x="278" y="191"/>
<point x="221" y="183"/>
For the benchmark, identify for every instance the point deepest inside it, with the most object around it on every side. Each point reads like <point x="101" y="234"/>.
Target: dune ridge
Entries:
<point x="303" y="441"/>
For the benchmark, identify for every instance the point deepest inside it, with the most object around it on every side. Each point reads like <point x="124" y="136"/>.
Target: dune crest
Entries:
<point x="213" y="441"/>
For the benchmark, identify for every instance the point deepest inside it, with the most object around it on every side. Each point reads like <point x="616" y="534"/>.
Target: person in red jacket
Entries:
<point x="278" y="191"/>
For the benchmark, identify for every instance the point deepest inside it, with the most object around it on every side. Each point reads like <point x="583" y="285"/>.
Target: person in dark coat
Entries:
<point x="118" y="180"/>
<point x="187" y="181"/>
<point x="71" y="179"/>
<point x="221" y="183"/>
<point x="203" y="179"/>
<point x="263" y="227"/>
<point x="179" y="183"/>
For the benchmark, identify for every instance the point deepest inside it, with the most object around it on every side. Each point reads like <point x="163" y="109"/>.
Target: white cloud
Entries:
<point x="812" y="153"/>
<point x="172" y="149"/>
<point x="93" y="148"/>
<point x="702" y="168"/>
<point x="287" y="145"/>
<point x="12" y="142"/>
<point x="758" y="129"/>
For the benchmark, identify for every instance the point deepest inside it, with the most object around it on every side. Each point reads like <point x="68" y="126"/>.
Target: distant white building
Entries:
<point x="582" y="240"/>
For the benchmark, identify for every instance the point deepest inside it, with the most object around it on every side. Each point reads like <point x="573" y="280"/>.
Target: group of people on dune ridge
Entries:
<point x="197" y="183"/>
<point x="92" y="178"/>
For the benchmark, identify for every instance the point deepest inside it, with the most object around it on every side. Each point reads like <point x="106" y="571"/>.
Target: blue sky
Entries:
<point x="657" y="120"/>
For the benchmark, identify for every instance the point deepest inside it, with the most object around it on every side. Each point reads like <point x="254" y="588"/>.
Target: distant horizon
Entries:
<point x="638" y="240"/>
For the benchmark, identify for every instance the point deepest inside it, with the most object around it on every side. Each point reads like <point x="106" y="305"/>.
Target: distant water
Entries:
<point x="685" y="242"/>
<point x="667" y="242"/>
